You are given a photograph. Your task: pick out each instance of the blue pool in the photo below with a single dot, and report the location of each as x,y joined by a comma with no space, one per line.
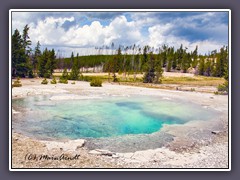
106,117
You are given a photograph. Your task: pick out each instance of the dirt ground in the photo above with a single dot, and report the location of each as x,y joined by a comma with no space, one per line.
196,145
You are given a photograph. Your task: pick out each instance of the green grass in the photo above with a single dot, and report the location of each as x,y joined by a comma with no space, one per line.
120,79
195,80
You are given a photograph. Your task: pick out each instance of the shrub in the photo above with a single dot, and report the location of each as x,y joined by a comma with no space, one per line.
223,87
62,80
96,83
65,74
17,83
53,81
45,81
73,82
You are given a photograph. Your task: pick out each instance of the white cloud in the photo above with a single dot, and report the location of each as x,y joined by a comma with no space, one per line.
19,20
49,30
126,32
158,36
205,47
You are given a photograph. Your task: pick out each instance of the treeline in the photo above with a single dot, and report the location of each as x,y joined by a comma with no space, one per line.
84,61
139,60
214,64
27,62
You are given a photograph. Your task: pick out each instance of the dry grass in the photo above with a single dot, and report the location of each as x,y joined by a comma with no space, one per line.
194,81
168,78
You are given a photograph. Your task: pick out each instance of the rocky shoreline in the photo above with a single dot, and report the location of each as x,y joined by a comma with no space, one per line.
26,153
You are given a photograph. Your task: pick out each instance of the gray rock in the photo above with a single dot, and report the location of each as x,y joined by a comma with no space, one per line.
94,152
216,132
101,152
115,156
70,145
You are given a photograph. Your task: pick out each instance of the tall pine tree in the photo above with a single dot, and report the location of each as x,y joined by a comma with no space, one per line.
18,56
75,72
36,56
21,65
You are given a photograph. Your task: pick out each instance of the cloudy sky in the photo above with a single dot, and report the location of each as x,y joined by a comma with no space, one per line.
83,31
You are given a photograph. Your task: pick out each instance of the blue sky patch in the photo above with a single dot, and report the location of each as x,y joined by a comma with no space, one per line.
208,30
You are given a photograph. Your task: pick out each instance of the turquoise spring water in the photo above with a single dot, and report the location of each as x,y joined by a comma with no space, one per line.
107,117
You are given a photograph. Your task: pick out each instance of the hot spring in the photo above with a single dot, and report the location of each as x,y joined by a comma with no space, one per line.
117,118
